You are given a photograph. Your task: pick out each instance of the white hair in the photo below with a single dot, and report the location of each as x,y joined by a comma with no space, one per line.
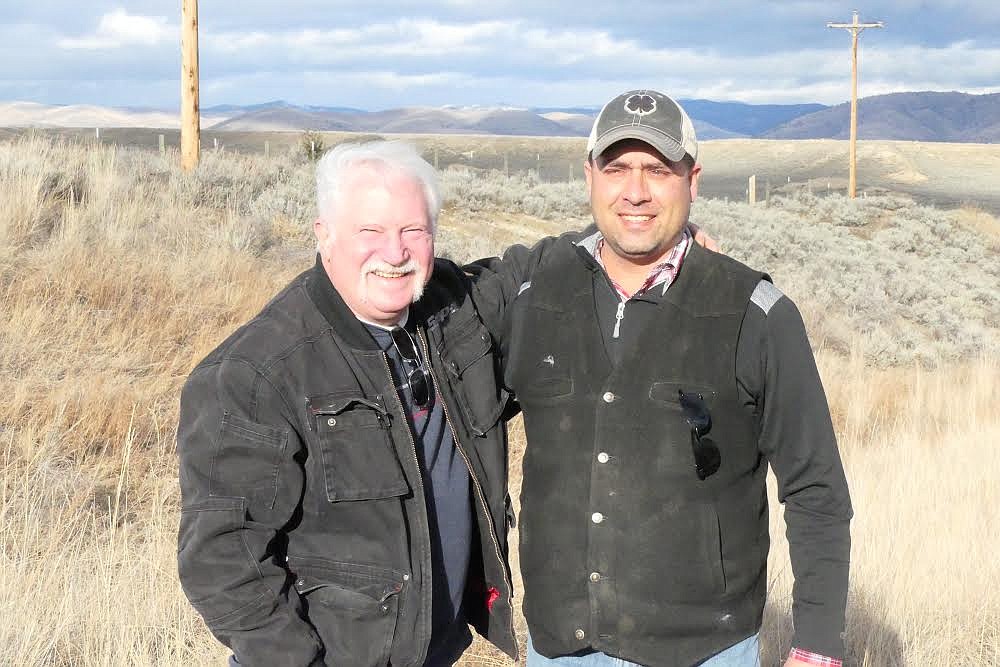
393,157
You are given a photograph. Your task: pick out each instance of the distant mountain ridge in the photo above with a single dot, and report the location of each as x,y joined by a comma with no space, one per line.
926,116
721,120
746,119
32,114
222,109
918,116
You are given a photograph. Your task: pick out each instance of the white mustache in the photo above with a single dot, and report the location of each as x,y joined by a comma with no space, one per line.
373,265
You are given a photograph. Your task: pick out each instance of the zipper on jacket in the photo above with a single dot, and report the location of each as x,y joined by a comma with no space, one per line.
619,316
476,485
416,464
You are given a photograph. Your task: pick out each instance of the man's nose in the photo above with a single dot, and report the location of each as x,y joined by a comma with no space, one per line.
394,249
636,188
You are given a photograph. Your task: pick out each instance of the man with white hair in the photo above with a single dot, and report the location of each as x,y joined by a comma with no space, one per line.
342,459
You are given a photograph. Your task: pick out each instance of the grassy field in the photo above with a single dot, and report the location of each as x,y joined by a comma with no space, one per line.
117,273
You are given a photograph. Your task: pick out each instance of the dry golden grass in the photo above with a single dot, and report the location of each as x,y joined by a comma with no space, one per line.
981,222
113,284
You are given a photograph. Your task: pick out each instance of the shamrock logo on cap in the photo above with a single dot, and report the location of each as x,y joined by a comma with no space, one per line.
640,104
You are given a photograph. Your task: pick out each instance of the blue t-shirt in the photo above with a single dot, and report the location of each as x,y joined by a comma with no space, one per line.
449,507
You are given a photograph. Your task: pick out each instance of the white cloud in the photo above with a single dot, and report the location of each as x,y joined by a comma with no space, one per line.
937,69
456,52
118,29
419,59
403,38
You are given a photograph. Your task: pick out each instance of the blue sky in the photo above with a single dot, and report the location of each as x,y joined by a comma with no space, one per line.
379,54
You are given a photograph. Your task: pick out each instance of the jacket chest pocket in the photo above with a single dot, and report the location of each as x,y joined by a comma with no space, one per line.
359,461
542,358
667,395
668,424
468,358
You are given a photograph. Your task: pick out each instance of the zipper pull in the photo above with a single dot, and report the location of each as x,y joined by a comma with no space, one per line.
619,316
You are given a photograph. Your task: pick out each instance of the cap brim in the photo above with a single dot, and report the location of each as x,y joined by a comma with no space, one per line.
668,147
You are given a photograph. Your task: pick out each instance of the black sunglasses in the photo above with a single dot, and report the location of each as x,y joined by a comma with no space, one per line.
707,457
417,378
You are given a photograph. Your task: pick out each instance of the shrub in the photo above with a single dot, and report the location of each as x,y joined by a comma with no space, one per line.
313,145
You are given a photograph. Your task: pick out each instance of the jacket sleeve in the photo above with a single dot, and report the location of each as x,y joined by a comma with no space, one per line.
496,281
797,438
240,487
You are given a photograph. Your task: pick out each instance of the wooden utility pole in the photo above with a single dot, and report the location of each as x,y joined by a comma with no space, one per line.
190,113
855,28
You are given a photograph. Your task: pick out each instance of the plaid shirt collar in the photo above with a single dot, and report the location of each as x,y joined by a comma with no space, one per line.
663,273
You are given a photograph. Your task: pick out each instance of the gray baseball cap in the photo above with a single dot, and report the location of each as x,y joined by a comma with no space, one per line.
648,116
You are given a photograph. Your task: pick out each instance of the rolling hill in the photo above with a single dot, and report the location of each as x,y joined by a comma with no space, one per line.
748,120
920,116
925,116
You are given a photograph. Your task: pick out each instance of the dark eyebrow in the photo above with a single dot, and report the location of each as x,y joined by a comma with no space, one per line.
669,164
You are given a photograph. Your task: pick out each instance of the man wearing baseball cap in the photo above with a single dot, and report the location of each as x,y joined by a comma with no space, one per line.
658,380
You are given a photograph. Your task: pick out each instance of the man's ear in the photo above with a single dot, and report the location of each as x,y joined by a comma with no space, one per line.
695,173
321,231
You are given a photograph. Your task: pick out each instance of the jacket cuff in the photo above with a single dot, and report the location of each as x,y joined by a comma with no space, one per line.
811,658
818,640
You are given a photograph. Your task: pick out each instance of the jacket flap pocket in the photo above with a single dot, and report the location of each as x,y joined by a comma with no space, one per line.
335,403
472,373
353,610
376,583
461,354
547,387
359,460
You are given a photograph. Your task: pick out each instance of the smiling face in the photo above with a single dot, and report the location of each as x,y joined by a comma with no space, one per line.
378,249
640,200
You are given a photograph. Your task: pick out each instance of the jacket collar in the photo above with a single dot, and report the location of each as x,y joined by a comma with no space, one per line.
694,269
590,243
332,307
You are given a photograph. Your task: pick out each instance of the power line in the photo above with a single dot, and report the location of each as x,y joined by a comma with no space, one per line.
190,111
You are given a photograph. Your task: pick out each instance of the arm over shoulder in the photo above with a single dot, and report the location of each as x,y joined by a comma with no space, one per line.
497,281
